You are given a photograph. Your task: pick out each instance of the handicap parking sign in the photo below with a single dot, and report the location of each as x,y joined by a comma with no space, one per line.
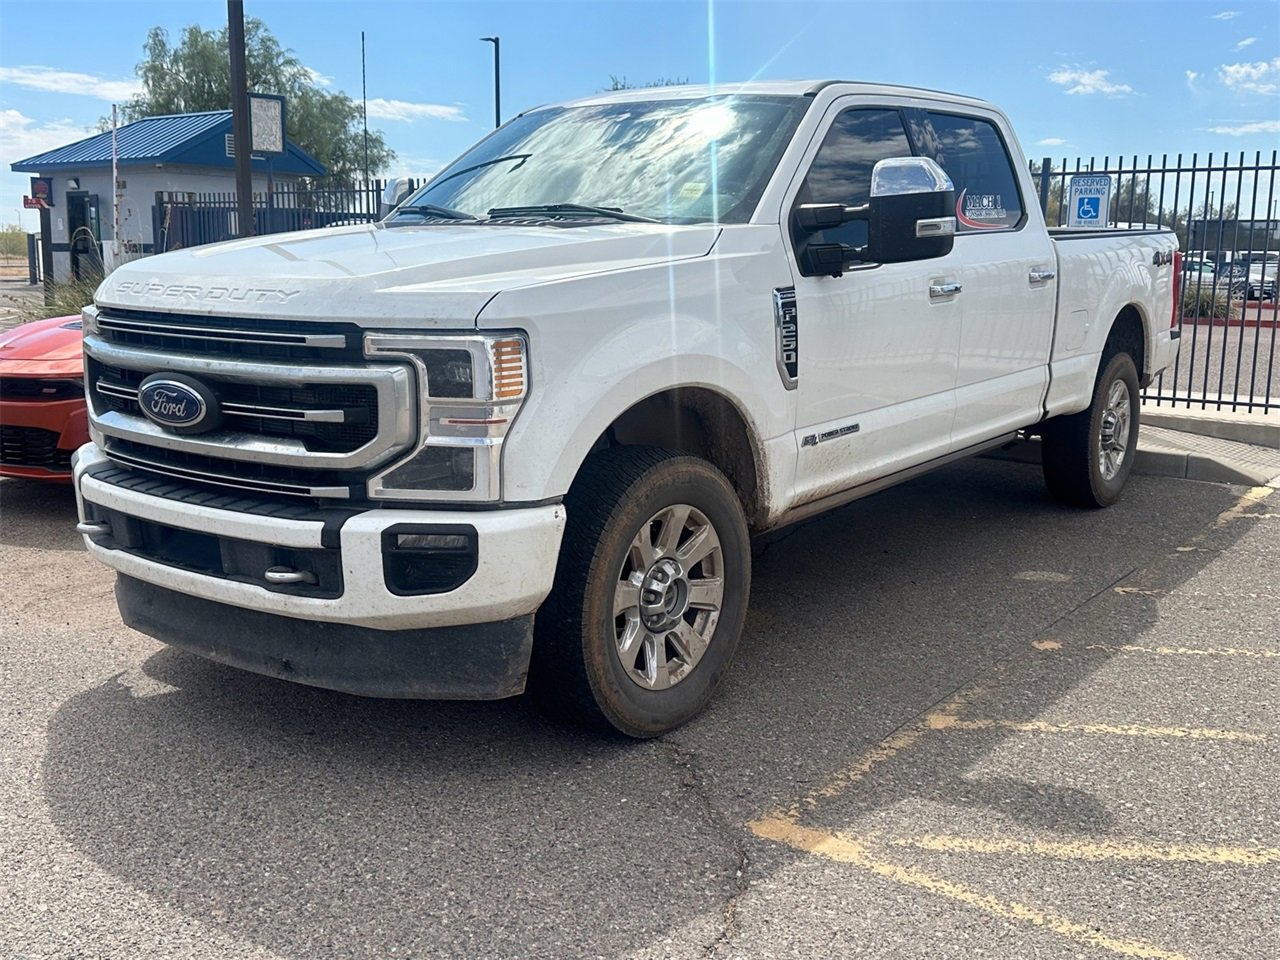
1086,208
1090,198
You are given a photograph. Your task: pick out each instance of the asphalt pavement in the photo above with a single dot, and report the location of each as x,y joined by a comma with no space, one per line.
964,721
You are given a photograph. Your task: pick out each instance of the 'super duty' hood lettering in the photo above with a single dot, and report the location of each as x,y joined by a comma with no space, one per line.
187,291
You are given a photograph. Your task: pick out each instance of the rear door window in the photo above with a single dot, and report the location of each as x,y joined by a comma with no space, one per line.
974,155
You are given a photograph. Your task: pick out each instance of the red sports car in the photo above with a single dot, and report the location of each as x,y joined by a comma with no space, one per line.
42,411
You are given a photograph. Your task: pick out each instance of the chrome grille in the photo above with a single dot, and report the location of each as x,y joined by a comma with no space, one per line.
258,477
304,413
244,338
330,417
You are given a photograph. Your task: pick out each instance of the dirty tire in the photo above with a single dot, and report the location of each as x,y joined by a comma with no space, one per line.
1075,469
595,638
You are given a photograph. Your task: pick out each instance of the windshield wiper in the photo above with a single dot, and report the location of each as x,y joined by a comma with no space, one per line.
569,209
522,157
433,210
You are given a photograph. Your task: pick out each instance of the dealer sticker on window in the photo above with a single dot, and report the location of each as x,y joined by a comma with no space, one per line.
981,211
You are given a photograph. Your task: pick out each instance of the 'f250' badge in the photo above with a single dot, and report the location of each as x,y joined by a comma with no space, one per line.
787,334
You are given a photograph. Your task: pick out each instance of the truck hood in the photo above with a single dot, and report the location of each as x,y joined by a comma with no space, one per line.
42,347
439,274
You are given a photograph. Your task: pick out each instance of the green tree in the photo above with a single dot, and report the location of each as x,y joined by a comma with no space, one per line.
194,76
622,83
13,241
1054,215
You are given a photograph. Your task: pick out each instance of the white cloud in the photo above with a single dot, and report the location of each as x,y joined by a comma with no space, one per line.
1089,81
1260,77
22,137
421,168
318,78
53,80
1226,15
1050,142
1246,42
381,109
1192,77
1247,129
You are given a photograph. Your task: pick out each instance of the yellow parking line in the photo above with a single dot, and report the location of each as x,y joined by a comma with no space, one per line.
843,850
1125,730
1186,651
1085,850
1249,498
887,748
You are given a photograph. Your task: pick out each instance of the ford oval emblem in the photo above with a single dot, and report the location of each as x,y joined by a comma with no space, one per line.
178,403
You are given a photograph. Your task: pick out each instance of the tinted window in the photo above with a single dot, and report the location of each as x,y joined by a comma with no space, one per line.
841,171
975,158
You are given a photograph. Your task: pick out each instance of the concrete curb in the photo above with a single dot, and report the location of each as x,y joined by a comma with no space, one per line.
1158,457
1258,429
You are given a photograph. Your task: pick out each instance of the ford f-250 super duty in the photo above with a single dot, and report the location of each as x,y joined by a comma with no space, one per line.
526,425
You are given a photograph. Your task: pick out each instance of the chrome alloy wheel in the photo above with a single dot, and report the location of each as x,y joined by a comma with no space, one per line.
668,597
1114,432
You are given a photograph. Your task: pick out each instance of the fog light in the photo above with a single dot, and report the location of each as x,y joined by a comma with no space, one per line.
432,541
419,559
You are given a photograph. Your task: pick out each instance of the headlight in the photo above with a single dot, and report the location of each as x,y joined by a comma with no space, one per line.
469,391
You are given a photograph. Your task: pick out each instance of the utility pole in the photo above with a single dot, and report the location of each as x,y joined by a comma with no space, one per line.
497,81
240,118
364,111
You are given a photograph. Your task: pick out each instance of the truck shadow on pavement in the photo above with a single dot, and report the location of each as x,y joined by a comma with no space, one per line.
316,824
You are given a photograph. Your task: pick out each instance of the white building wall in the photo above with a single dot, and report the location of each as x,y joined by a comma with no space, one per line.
136,200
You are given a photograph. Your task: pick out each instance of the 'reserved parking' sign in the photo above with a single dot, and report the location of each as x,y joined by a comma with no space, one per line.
1088,200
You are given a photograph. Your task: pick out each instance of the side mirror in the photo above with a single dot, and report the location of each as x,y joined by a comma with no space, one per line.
913,215
393,194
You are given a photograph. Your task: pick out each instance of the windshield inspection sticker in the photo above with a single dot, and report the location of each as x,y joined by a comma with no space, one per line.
692,190
981,211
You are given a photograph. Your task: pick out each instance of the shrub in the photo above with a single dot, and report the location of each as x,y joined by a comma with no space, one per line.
1202,300
63,299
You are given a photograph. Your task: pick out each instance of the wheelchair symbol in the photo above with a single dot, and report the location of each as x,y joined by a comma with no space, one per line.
1087,208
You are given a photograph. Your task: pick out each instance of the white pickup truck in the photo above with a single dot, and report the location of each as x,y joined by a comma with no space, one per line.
525,426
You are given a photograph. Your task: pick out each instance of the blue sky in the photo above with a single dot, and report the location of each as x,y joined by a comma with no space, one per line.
1081,78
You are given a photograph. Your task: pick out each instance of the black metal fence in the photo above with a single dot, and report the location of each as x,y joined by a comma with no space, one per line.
189,219
1223,210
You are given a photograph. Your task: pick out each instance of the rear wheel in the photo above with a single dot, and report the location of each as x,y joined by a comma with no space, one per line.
650,592
1088,456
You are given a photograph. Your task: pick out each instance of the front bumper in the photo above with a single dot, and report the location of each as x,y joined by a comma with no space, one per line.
483,661
518,549
319,632
40,436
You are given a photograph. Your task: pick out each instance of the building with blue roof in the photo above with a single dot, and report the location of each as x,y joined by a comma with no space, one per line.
190,153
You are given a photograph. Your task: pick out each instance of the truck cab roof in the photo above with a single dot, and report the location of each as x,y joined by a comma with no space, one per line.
775,88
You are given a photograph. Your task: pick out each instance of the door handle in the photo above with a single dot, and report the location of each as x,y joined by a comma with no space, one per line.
1041,276
939,290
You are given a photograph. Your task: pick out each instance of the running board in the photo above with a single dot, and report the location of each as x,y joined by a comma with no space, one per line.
806,510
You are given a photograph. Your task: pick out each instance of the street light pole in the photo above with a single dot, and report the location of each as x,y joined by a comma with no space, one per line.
497,81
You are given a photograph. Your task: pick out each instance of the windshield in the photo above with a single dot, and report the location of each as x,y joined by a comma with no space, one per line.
677,161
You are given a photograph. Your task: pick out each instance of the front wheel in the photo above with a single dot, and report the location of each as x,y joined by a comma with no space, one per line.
1088,456
650,592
